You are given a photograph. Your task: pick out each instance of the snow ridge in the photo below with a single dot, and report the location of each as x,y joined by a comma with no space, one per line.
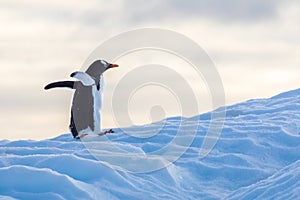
256,157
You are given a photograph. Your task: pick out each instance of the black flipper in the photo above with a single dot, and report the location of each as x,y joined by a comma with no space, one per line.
68,84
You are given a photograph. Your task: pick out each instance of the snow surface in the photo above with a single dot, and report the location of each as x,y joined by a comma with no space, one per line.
256,157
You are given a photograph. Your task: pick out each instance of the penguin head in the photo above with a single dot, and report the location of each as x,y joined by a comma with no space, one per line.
97,68
108,65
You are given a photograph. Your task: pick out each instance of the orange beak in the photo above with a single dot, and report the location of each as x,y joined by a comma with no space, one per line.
114,65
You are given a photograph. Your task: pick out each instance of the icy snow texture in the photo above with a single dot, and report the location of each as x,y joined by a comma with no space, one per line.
257,157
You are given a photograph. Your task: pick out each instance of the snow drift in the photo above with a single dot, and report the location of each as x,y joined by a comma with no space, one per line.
257,156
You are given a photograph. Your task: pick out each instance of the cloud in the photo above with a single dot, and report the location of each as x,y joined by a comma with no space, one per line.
226,11
96,14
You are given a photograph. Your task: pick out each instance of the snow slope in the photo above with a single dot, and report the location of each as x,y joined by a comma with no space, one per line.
256,157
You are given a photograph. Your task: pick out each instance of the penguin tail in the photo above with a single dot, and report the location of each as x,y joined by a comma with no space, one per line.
67,84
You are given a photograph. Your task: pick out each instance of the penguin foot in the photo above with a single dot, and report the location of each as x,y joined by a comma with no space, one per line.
106,132
81,136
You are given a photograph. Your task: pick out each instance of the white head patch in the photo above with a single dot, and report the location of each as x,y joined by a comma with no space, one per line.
104,63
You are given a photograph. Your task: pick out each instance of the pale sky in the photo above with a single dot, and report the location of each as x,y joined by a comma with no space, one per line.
255,46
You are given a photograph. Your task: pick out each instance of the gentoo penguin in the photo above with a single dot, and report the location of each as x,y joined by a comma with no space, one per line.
85,111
